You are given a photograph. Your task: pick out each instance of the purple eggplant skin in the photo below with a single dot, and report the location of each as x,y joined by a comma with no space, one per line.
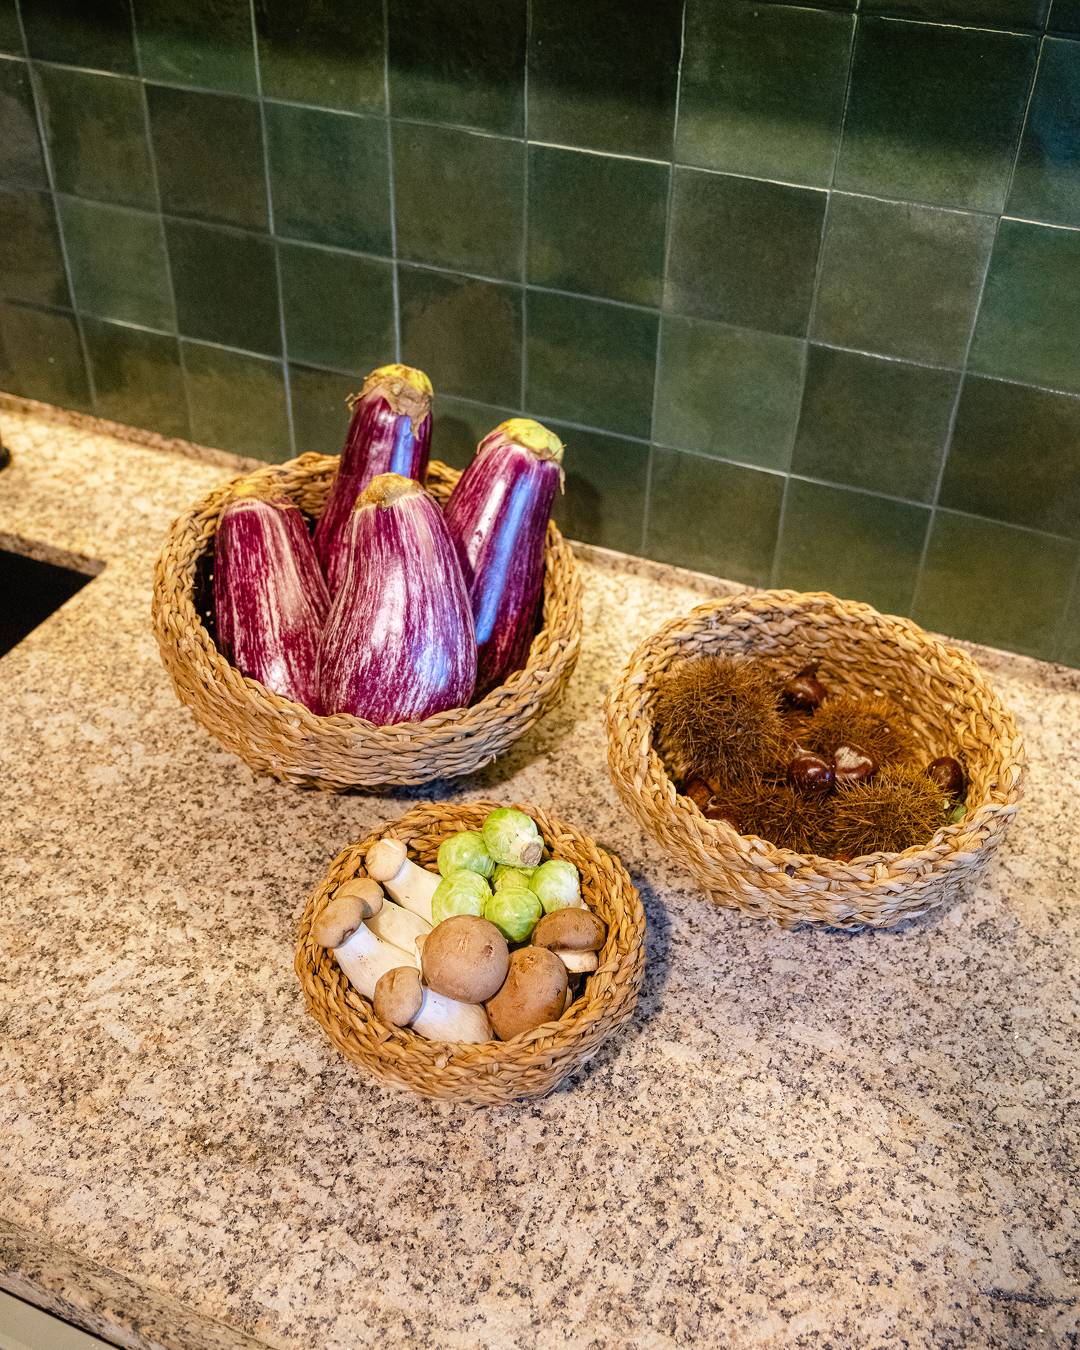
390,432
498,515
399,644
270,599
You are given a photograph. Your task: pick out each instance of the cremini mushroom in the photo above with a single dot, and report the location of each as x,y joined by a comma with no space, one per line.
574,935
361,955
531,995
402,1000
466,958
410,885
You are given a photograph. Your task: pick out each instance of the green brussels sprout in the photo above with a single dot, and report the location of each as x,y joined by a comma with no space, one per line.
515,912
557,884
512,876
462,892
512,837
465,850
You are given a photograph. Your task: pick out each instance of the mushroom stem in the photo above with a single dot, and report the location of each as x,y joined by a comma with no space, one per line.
410,885
579,963
396,924
448,1019
363,958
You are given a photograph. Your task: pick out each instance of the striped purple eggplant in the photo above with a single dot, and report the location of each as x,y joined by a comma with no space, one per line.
270,600
399,643
498,514
390,432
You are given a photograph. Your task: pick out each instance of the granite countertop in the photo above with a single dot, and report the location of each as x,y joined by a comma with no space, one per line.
802,1138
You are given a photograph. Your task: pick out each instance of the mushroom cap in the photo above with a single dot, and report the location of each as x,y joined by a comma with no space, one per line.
465,957
385,858
368,892
398,996
570,930
532,994
338,921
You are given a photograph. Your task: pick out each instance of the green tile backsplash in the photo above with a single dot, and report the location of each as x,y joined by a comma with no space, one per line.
795,282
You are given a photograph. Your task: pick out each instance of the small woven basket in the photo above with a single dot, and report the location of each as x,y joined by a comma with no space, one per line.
493,1072
950,707
276,736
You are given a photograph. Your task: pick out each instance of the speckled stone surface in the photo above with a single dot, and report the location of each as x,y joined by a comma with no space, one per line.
803,1138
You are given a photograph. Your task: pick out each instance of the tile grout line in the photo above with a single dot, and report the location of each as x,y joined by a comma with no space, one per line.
1071,593
50,176
391,185
646,505
144,103
920,572
285,377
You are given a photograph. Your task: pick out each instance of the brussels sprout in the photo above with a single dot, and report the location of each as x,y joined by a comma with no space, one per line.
515,912
465,850
512,837
557,884
462,892
505,875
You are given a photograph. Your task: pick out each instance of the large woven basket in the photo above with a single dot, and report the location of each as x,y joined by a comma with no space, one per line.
494,1072
950,706
275,736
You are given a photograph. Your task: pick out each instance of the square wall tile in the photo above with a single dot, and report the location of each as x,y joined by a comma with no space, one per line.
319,409
728,392
459,61
41,357
601,79
1046,185
31,261
874,424
203,42
1015,456
459,426
466,334
743,251
590,362
94,33
856,545
901,280
934,112
604,501
137,377
330,177
20,148
226,286
209,156
96,130
119,269
596,224
995,584
713,517
237,402
1068,651
459,199
10,32
1064,16
981,13
762,89
324,52
1029,322
339,309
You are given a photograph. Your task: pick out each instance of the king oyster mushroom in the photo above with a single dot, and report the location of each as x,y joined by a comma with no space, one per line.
361,955
574,935
391,922
413,886
532,994
402,1000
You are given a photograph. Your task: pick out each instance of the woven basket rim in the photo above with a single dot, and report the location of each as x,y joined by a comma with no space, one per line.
572,1035
866,868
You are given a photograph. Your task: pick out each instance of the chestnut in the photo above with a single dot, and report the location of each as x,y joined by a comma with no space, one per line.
946,773
804,691
853,764
698,791
718,811
810,773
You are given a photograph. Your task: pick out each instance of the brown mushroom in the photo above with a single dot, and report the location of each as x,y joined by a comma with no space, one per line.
465,957
353,902
532,994
570,930
398,996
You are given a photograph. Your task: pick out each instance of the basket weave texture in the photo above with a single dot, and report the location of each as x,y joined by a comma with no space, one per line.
493,1072
951,708
276,736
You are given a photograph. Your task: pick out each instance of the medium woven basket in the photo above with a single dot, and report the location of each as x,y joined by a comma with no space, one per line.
493,1072
951,708
275,736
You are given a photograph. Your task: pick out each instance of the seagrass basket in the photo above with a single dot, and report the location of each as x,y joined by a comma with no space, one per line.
950,706
276,736
494,1072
